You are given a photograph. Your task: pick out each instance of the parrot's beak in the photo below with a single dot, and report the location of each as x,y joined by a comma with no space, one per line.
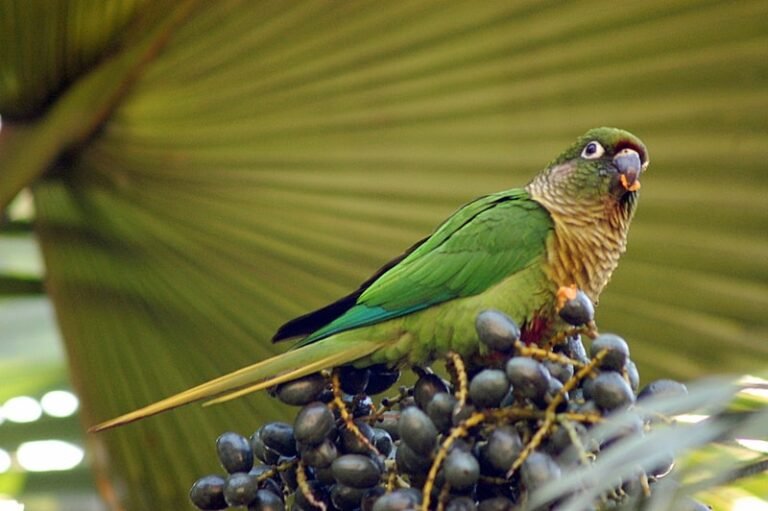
627,162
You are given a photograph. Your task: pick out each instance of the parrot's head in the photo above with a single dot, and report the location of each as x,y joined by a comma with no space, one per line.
604,164
597,175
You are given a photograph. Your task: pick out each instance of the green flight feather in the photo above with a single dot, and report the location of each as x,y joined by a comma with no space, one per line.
484,242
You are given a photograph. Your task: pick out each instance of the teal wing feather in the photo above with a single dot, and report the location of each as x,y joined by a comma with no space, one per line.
477,247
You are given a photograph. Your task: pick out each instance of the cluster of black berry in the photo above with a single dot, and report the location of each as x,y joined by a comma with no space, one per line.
505,424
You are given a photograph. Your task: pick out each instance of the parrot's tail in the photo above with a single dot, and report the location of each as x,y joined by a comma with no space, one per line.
324,354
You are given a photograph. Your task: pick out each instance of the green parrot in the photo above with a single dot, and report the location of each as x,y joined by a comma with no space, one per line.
513,251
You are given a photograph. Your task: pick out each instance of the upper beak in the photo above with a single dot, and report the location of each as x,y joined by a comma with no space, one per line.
627,162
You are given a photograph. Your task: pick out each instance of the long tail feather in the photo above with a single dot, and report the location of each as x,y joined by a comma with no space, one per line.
278,369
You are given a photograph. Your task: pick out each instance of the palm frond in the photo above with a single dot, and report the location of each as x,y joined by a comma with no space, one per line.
204,171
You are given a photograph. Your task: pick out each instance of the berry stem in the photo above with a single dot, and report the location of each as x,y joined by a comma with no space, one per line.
459,372
442,499
349,421
301,478
544,354
590,330
388,403
549,413
575,440
459,431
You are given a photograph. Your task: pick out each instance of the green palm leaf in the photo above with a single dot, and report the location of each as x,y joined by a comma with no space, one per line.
204,171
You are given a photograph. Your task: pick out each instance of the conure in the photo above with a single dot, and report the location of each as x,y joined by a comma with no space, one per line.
512,251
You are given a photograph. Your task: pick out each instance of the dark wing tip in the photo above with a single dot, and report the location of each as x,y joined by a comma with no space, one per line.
308,323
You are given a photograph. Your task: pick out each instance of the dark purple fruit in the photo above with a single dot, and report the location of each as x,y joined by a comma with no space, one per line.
346,498
497,330
266,454
324,475
353,380
266,500
356,471
560,440
462,413
208,493
561,372
529,378
633,375
611,391
665,388
503,447
288,476
488,388
555,388
440,410
618,351
351,443
426,387
381,378
279,437
539,469
301,391
573,348
370,496
389,423
588,407
318,491
403,499
578,310
461,470
240,489
320,455
411,462
382,441
417,430
313,424
235,452
272,483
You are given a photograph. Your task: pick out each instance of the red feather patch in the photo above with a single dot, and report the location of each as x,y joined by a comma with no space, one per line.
534,330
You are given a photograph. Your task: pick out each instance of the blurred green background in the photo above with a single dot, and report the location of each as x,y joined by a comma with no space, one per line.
196,173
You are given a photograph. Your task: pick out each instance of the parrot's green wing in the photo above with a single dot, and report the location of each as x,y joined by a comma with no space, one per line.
481,244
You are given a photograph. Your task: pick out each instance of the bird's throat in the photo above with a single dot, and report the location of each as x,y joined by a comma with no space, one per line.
587,242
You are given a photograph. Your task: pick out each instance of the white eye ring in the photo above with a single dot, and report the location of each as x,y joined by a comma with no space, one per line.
592,151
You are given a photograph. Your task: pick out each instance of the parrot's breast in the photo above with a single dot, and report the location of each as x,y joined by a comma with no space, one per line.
586,243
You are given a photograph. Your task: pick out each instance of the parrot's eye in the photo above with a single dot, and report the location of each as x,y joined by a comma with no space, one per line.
592,151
